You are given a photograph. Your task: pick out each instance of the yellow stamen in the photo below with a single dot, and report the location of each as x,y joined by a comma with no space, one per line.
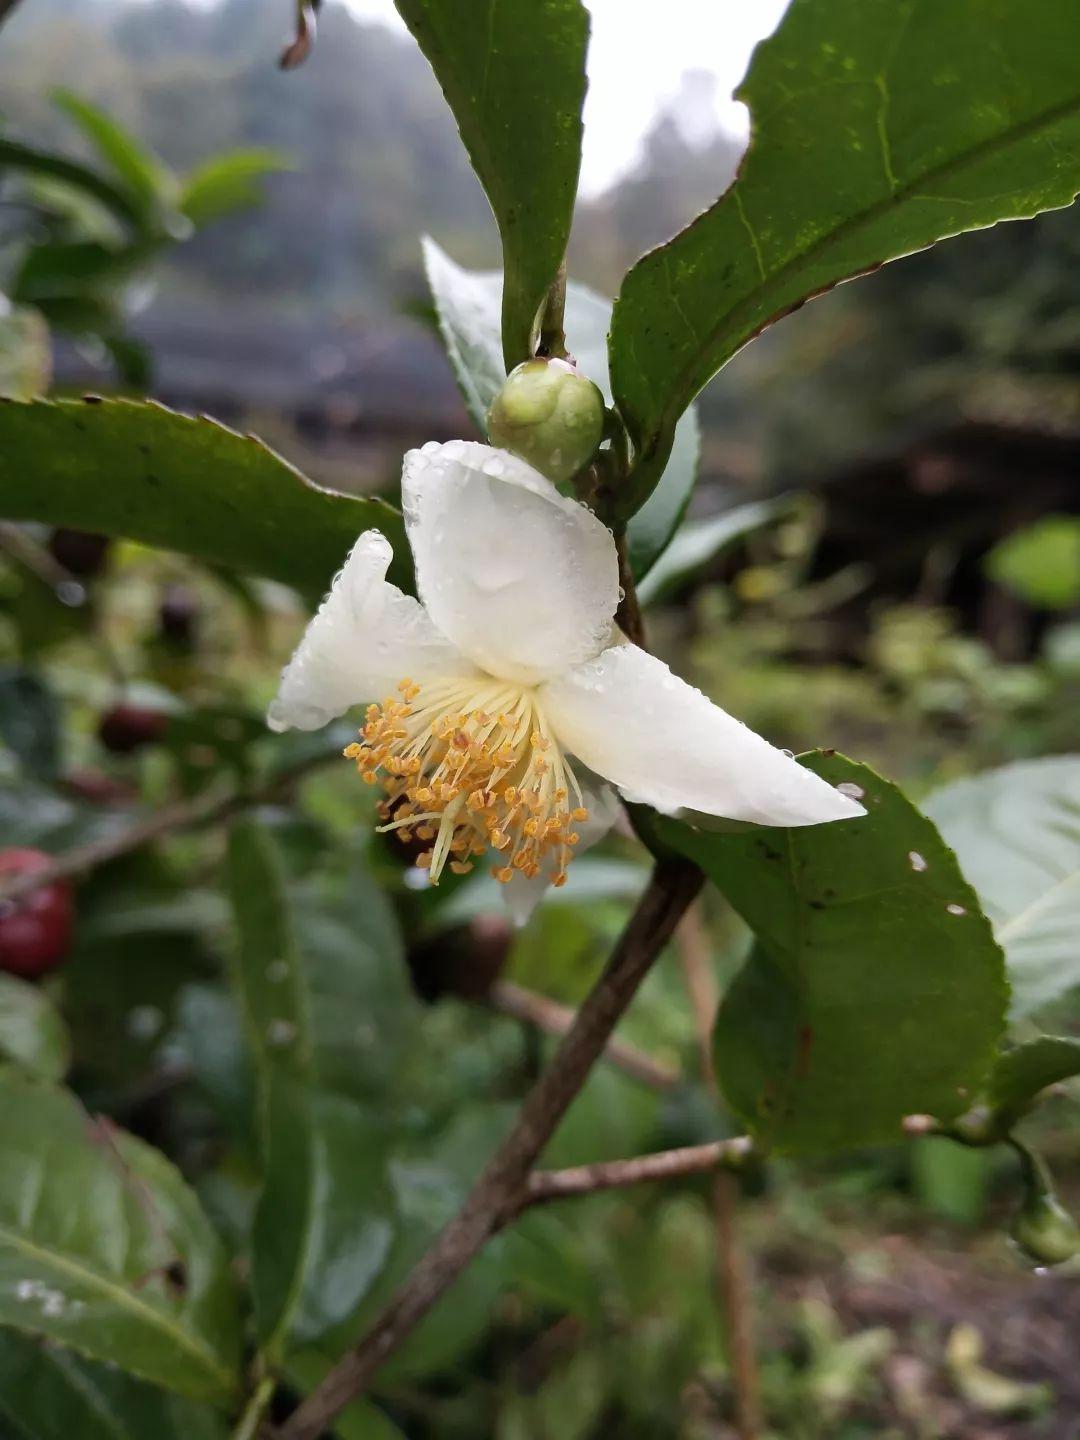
461,765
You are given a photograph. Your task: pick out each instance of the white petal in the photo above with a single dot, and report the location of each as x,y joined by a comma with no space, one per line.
365,638
663,743
522,895
524,581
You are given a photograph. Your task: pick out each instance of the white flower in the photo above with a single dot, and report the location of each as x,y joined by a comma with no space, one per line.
507,692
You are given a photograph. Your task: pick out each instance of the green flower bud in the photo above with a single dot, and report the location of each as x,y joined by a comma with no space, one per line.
551,415
1045,1230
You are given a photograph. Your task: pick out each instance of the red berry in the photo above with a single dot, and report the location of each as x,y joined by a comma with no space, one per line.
126,728
35,932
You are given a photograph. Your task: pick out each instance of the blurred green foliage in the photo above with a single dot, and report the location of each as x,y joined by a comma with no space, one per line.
599,1318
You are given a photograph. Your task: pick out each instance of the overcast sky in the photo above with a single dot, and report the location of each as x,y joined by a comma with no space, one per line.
639,50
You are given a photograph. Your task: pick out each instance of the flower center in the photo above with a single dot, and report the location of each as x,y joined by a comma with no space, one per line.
472,765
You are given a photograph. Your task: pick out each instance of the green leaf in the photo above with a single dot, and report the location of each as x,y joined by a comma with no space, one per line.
83,270
364,1421
25,352
363,1012
875,989
28,160
142,472
878,127
35,815
1040,563
47,1393
467,303
696,542
428,1195
226,183
141,937
321,1233
29,721
144,177
950,1179
1016,833
104,1249
1022,1072
32,1033
513,73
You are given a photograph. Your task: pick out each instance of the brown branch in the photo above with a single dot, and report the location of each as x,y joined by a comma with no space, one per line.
555,1019
502,1189
303,42
628,616
546,1185
211,807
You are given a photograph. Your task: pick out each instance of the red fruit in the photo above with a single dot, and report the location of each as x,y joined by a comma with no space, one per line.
35,932
126,728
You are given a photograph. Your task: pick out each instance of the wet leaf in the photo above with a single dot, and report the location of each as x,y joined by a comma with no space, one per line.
322,1226
513,73
142,472
48,1393
878,127
104,1248
875,989
32,1034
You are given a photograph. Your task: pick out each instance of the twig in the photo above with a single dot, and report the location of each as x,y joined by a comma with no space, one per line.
731,1277
628,616
502,1188
303,42
6,7
545,1185
555,1019
208,808
250,1424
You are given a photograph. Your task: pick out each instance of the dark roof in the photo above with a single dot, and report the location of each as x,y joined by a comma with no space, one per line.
379,375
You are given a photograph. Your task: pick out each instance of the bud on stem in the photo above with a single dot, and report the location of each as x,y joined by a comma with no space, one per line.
1044,1230
549,414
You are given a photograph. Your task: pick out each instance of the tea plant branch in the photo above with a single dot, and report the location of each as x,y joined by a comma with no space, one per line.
300,47
554,1019
209,808
502,1188
547,1185
628,616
